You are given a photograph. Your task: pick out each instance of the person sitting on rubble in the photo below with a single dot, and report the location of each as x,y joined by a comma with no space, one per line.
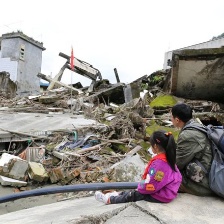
161,179
191,145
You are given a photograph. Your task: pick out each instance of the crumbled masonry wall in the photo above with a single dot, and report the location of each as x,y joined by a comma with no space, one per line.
7,86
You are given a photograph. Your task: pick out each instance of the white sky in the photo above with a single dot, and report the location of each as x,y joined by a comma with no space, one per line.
130,35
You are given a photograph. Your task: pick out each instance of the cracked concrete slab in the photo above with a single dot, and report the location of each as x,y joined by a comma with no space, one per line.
39,124
184,209
132,214
72,211
187,208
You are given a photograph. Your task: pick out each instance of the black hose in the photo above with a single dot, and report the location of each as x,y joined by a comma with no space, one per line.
69,188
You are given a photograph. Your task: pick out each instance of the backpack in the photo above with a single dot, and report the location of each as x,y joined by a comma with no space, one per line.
216,173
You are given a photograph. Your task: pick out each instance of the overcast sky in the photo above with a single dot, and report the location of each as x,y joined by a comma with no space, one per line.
130,35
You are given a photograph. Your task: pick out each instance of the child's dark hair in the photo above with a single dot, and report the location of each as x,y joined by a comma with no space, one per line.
165,142
182,111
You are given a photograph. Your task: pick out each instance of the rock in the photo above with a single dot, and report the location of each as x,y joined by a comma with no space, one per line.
128,170
37,172
18,169
13,167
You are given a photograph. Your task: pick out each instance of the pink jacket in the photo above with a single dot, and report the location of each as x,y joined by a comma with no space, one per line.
162,183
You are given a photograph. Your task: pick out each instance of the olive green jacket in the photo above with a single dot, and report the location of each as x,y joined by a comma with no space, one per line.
193,144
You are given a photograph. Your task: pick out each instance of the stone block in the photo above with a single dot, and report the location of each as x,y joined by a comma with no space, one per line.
127,170
37,172
6,157
13,166
18,169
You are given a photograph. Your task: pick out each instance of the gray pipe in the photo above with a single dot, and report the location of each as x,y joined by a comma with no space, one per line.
69,188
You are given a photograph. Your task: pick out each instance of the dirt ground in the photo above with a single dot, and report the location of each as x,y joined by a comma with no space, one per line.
30,202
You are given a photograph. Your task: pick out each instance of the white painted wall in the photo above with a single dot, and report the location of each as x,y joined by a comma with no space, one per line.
6,65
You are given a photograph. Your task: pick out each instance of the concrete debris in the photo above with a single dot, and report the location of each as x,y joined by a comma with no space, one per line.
63,175
128,170
37,172
5,158
6,181
92,134
69,134
17,169
13,167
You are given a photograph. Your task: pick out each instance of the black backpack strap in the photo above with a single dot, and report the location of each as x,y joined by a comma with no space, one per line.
202,167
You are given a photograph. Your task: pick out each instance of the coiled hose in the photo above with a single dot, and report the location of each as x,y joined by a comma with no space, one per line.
69,188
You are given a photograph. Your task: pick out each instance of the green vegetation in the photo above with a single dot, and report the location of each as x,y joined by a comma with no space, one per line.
163,101
155,78
156,127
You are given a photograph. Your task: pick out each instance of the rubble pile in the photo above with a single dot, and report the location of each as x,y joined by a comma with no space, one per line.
116,150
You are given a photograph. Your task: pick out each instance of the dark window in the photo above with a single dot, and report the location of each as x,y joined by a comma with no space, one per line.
22,52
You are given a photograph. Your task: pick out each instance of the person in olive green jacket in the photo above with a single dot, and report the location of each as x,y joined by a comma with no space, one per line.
193,149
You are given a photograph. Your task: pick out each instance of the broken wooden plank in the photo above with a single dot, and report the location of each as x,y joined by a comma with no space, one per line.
57,77
95,147
133,151
49,79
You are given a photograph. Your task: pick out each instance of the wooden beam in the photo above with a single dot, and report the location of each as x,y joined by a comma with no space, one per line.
49,79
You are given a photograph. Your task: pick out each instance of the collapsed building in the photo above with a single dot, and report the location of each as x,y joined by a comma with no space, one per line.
77,137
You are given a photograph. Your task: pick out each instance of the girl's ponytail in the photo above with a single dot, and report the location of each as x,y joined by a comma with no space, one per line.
165,142
171,152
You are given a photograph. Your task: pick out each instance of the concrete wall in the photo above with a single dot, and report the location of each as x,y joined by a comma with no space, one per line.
198,78
209,44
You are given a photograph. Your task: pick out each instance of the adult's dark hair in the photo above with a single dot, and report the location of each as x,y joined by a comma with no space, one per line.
182,111
165,142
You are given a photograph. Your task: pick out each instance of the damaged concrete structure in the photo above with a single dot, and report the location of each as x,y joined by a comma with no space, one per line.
214,43
198,74
21,59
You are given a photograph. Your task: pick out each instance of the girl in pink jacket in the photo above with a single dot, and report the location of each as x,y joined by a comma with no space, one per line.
161,178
